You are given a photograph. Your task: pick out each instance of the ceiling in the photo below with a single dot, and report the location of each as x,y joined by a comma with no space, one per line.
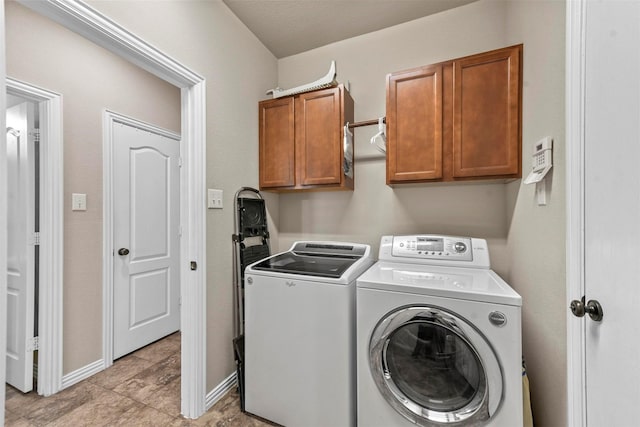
288,27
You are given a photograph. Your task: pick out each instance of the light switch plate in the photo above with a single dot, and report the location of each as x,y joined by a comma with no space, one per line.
78,202
214,198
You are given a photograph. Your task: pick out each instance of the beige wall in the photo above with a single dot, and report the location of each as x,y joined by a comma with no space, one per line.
90,79
536,239
209,39
526,241
373,208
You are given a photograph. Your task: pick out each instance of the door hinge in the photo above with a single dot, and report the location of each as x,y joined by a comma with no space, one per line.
180,231
179,162
36,239
33,344
35,133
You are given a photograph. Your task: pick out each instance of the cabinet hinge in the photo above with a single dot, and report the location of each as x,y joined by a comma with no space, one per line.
36,239
179,162
180,231
33,344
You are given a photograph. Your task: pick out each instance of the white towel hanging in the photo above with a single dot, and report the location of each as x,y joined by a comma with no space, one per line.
347,164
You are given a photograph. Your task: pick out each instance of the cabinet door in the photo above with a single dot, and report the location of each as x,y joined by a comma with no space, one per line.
277,139
414,125
486,116
319,137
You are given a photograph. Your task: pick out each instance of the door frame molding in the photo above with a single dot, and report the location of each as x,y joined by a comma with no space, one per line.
51,232
79,17
110,118
3,213
575,140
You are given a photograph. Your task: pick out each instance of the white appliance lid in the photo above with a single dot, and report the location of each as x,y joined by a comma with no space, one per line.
328,262
473,284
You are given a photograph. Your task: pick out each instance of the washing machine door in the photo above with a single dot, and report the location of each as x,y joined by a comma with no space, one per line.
435,368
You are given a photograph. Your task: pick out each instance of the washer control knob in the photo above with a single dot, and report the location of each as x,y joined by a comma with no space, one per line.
459,247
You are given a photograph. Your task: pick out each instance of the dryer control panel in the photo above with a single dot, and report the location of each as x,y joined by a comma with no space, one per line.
432,247
435,250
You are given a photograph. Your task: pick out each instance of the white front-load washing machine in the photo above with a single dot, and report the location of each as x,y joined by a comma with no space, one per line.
438,337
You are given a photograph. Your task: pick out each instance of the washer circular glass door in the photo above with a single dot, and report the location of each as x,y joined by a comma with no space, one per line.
434,367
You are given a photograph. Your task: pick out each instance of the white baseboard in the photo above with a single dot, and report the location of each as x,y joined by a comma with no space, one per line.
220,390
82,373
93,368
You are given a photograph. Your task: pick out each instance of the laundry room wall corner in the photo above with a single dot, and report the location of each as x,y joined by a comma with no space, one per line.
536,236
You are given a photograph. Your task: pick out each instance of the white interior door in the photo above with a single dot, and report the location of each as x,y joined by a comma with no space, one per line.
20,245
146,185
612,216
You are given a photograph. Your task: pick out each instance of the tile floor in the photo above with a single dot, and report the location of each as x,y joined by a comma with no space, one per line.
140,389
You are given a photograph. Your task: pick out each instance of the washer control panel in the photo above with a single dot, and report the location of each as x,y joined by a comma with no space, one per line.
432,247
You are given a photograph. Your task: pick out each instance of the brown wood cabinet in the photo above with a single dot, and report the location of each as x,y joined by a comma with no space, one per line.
456,120
301,141
414,124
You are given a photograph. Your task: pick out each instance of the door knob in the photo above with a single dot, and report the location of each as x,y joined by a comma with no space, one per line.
577,308
593,309
123,251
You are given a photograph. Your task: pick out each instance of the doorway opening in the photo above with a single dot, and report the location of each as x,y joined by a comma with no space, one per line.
40,310
141,220
81,18
23,227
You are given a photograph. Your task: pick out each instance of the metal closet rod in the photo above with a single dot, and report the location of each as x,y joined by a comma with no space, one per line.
366,123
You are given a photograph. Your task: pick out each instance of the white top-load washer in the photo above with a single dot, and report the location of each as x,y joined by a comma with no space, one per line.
439,337
300,334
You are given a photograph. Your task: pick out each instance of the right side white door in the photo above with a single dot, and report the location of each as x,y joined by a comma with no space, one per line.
612,212
146,185
20,246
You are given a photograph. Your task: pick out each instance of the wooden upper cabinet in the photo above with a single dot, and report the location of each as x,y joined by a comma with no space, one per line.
414,125
301,145
456,120
319,137
486,116
277,142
